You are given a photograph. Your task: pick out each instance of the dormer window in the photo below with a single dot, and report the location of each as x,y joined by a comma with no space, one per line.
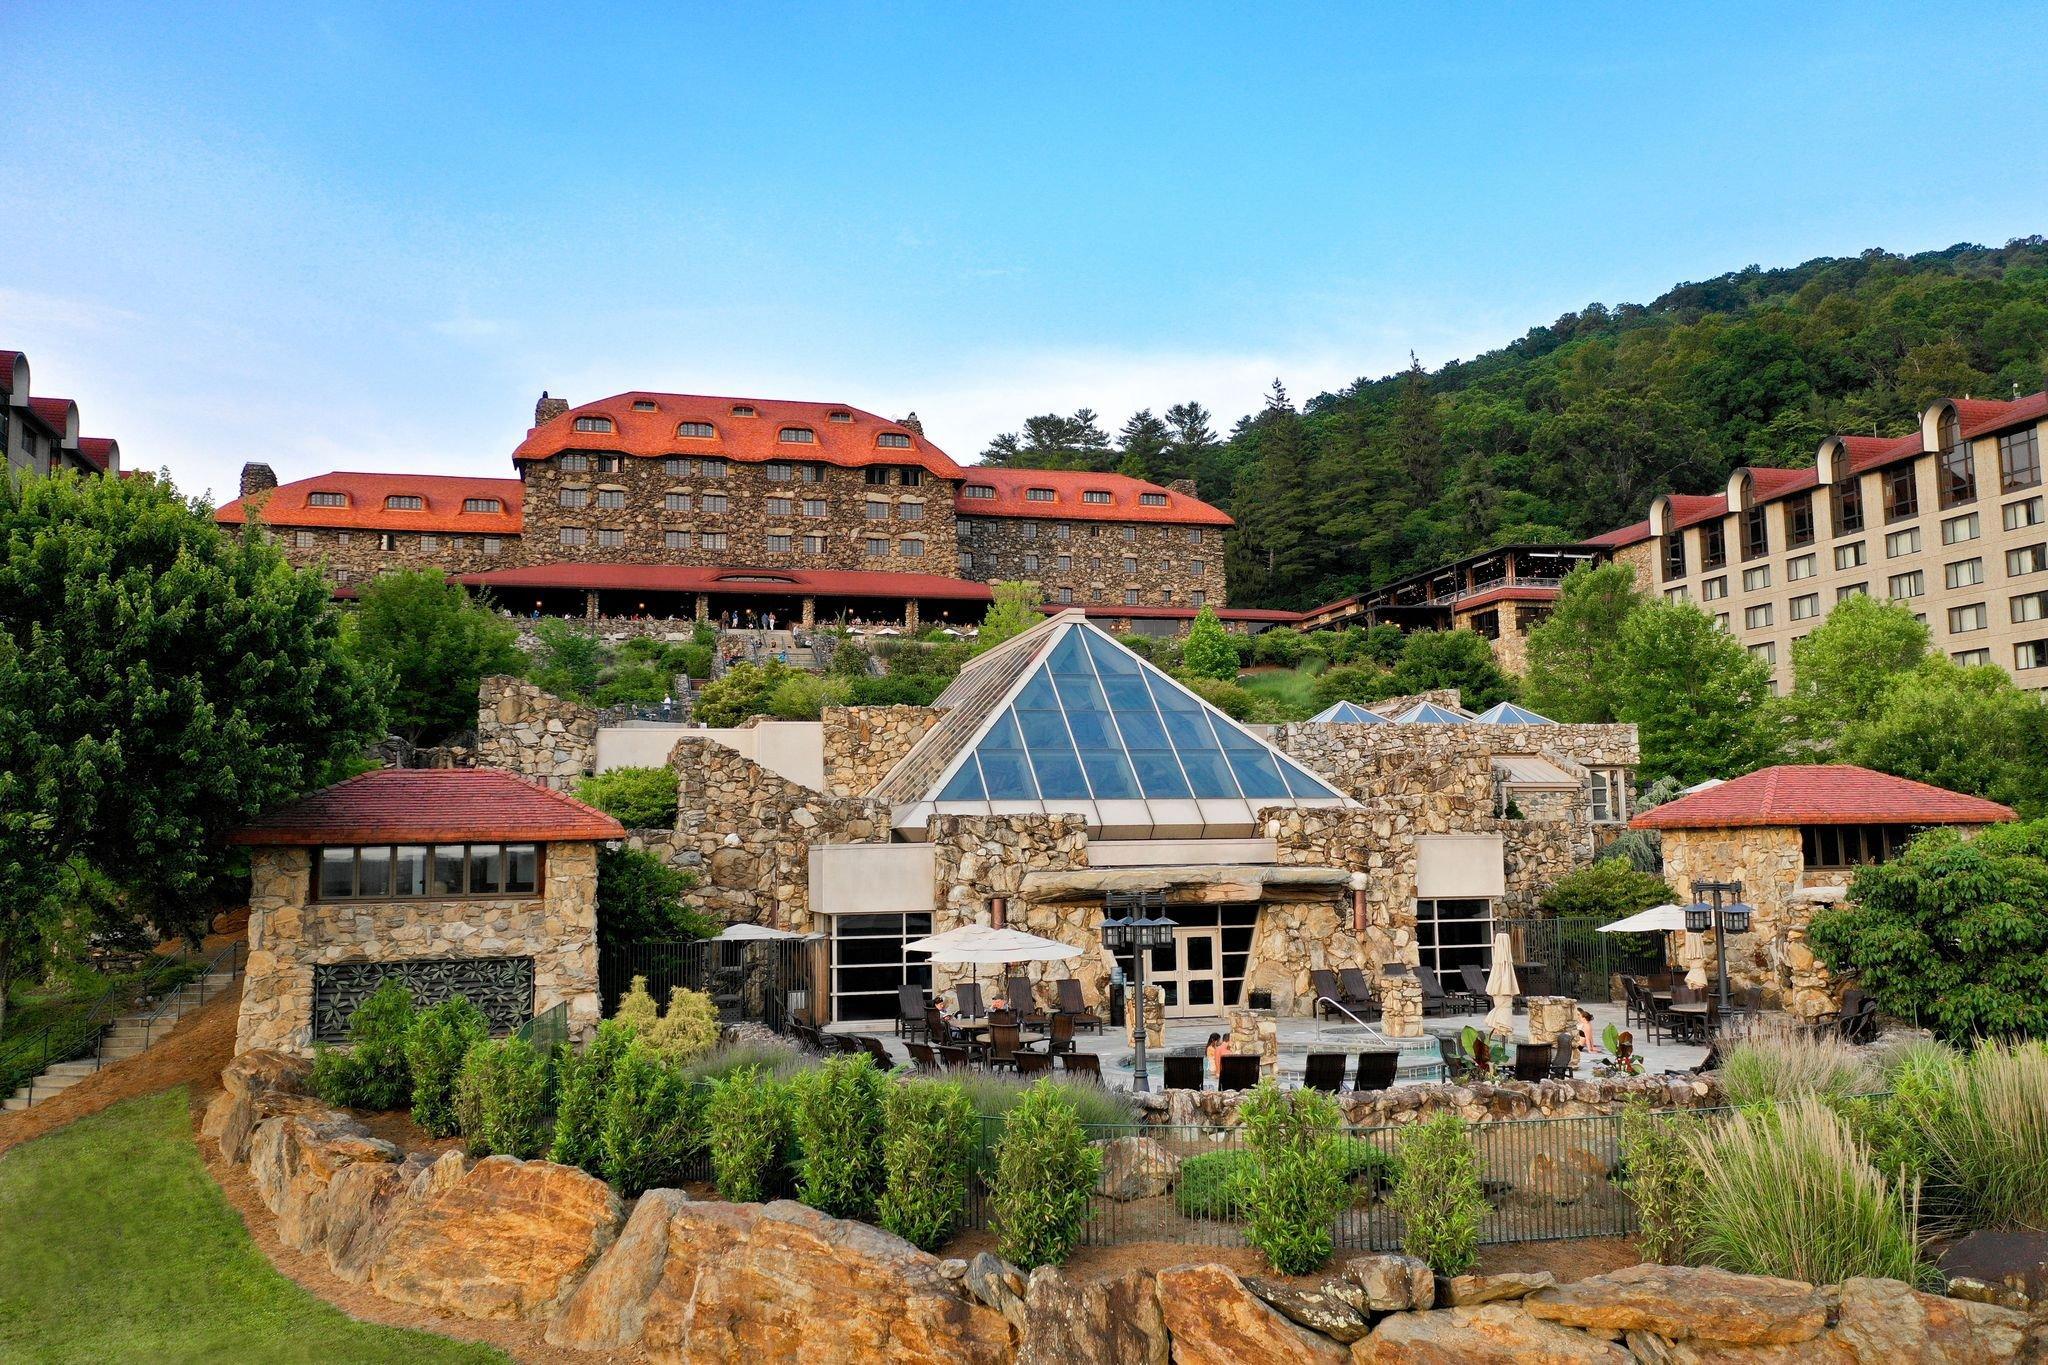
643,405
1038,495
893,440
326,499
1152,499
490,505
798,436
839,417
743,410
979,490
597,424
696,430
405,502
1094,495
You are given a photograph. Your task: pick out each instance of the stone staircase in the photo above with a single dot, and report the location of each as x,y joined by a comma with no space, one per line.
129,1035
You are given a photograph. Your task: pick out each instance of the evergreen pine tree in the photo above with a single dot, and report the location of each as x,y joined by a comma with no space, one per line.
1144,441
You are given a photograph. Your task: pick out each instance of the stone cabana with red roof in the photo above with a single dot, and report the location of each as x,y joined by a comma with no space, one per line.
469,882
1794,835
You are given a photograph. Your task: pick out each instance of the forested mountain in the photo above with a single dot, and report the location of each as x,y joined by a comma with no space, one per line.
1572,429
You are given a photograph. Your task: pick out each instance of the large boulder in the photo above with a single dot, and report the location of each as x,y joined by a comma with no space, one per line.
784,1282
1103,1322
1884,1320
1136,1168
509,1239
362,1207
1392,1282
1215,1320
1338,1309
1686,1302
231,1120
262,1071
1490,1334
998,1284
292,1159
1469,1291
609,1309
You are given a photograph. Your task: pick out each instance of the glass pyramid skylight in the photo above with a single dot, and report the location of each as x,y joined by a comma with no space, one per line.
1090,728
1348,713
1507,713
1429,713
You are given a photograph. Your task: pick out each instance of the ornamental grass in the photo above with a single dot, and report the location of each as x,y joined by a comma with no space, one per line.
1766,1070
1991,1136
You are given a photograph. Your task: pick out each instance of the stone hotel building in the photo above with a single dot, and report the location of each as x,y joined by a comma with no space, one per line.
683,505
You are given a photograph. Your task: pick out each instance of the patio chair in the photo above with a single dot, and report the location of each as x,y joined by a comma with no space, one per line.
1004,1016
968,995
1474,978
1182,1073
922,1056
1324,1071
1032,1063
1452,1054
1635,1006
1564,1057
1082,1064
937,1029
1532,1061
1377,1069
877,1049
1329,995
1060,1034
1003,1043
1074,1007
1238,1073
1358,993
1859,1025
1434,1001
910,1021
954,1057
1025,1003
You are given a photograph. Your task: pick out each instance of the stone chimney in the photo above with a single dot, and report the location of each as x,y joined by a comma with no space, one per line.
257,478
910,420
548,408
1185,486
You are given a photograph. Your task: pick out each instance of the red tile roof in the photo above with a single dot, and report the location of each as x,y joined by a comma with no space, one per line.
1067,504
1821,794
58,414
9,362
1507,592
758,439
1625,535
415,805
97,450
729,579
442,494
1109,611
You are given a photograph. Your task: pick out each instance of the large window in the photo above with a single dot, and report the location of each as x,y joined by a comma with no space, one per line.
1848,501
1901,493
1957,469
1452,933
869,963
411,871
1852,845
1756,532
1607,789
1674,556
2019,460
1799,520
1713,546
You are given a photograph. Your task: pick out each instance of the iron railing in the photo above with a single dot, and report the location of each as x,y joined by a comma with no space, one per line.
228,960
761,981
1574,958
77,1034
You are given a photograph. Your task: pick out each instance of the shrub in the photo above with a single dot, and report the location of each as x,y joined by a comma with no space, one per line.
1105,1112
746,1119
930,1135
638,798
1788,1192
504,1099
1230,699
637,1013
897,689
1045,1177
1282,647
1610,889
1437,1195
373,1074
777,1059
441,1037
838,1123
1764,1070
1208,651
1661,1177
585,1082
652,1123
1208,1184
640,900
689,1029
1361,683
1297,1180
804,696
694,660
1989,1134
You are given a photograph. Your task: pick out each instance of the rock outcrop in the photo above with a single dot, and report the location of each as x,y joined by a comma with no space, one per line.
1104,1322
1491,1334
1687,1303
1215,1320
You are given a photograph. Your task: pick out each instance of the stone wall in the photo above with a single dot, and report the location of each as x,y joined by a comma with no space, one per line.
1098,562
289,936
976,857
1475,1102
354,557
1774,953
1369,761
863,742
527,730
751,832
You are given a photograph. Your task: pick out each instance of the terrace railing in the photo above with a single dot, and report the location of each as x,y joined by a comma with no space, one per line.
749,980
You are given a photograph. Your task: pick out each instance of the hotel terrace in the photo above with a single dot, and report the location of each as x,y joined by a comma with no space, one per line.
686,506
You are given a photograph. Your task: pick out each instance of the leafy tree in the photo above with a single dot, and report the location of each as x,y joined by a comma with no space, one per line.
430,642
804,696
745,690
1360,683
1194,444
569,660
1841,672
1044,1179
1698,699
1968,729
1609,888
1209,652
161,682
1452,658
640,900
1014,611
1953,932
1050,441
1573,667
638,798
1295,1184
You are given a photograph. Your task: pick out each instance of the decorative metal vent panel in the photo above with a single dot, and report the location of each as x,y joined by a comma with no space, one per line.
502,987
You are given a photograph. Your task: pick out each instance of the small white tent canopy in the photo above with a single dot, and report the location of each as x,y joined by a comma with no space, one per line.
1666,919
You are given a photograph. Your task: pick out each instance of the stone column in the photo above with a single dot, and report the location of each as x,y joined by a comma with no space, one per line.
703,606
1550,1015
590,603
1155,1020
1401,1006
910,614
810,616
1254,1033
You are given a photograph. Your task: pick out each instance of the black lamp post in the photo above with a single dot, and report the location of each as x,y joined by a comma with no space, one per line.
1711,913
1132,931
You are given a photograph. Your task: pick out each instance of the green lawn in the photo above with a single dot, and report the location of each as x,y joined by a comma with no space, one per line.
116,1245
1293,690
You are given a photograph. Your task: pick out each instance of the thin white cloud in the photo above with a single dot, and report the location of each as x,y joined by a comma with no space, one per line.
60,313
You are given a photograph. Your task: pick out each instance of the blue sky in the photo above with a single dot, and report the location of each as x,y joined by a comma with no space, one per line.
367,236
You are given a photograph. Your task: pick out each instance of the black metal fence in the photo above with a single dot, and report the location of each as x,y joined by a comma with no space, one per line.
1572,957
763,981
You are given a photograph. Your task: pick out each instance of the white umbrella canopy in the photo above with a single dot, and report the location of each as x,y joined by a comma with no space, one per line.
981,945
1502,986
754,933
1667,919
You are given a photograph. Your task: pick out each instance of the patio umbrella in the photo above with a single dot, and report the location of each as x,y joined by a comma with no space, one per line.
1692,955
1665,919
980,945
753,933
1502,986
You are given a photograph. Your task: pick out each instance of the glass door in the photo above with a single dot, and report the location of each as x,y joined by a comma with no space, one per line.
1190,973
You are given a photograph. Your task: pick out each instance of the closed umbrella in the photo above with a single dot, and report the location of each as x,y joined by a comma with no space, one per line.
1502,986
1692,955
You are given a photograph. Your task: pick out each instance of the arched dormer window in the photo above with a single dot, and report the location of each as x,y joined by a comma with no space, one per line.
601,425
893,440
405,502
696,430
1957,462
798,436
